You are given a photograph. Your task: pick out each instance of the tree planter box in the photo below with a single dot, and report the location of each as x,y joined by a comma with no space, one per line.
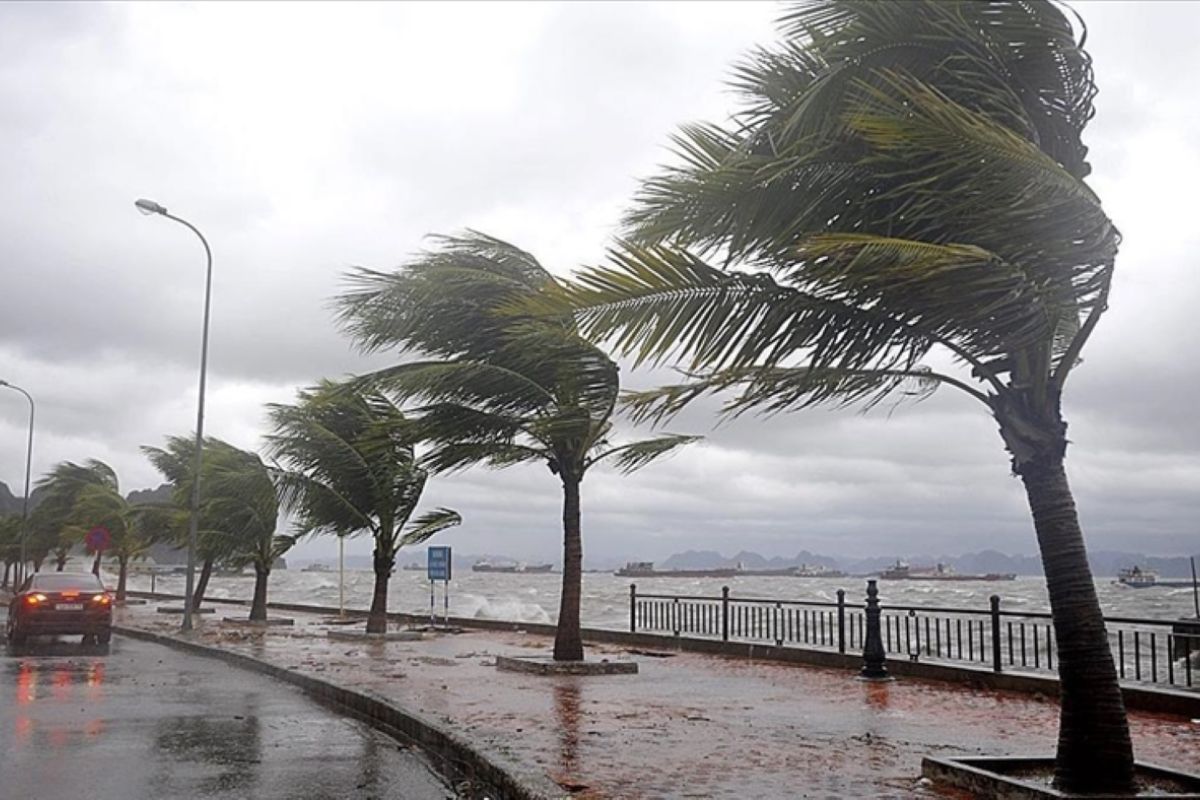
258,623
1026,778
363,636
545,665
174,610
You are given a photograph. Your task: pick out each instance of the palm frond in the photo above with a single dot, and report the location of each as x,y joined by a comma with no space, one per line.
635,455
425,526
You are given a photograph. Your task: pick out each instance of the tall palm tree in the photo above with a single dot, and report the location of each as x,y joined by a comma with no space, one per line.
240,504
80,497
215,543
500,388
905,180
348,466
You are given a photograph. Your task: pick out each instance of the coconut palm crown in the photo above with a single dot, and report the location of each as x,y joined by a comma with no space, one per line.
494,387
899,206
348,465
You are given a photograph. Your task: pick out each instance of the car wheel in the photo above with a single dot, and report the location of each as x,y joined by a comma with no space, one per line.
104,636
16,636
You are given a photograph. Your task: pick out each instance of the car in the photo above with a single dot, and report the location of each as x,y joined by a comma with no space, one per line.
51,603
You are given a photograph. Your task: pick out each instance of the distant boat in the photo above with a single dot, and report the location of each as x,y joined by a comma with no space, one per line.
645,569
317,567
1137,578
487,566
901,571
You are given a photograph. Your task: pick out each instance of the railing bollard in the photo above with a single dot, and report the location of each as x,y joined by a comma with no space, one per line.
995,601
841,596
874,658
633,608
725,613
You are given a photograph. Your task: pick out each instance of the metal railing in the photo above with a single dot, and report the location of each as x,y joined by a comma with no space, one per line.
1155,651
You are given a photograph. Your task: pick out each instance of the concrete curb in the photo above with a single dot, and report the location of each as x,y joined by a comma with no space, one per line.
504,779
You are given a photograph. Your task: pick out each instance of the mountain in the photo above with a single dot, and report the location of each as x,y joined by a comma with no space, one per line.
157,497
11,503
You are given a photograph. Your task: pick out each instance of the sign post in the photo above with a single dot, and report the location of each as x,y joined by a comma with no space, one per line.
437,566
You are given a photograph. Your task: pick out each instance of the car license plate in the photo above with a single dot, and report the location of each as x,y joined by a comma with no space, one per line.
69,607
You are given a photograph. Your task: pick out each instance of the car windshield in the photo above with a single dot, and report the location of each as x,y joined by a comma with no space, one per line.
60,582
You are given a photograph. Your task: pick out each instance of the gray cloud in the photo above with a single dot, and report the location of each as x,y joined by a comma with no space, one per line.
303,139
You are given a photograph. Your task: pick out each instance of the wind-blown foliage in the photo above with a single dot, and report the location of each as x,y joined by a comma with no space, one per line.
495,386
905,180
349,466
10,545
216,542
79,498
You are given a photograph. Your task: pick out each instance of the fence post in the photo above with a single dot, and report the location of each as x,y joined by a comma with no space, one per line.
633,608
841,596
873,667
995,601
724,613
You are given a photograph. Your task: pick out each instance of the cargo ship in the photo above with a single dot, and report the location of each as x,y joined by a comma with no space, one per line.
940,572
487,566
645,569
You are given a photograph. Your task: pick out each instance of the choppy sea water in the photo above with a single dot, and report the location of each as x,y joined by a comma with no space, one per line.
605,602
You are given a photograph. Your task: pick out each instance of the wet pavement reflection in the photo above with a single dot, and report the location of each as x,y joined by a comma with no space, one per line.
135,720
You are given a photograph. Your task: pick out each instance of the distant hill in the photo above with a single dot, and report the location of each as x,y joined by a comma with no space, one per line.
11,503
158,497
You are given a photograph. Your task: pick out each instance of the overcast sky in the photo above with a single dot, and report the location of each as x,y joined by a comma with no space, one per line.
307,138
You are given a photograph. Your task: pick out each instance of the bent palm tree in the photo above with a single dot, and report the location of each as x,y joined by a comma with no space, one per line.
214,542
81,497
240,501
502,389
905,180
349,466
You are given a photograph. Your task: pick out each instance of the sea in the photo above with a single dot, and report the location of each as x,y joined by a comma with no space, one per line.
519,597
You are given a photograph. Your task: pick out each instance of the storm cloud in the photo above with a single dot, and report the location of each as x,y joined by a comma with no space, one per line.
307,138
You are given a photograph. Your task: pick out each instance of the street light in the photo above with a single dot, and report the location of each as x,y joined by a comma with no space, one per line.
150,207
28,463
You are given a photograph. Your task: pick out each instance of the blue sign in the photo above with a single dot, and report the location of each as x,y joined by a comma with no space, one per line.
438,563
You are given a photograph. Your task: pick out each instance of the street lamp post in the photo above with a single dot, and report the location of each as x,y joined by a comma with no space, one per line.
28,464
150,207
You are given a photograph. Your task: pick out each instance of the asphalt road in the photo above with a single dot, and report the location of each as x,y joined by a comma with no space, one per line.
137,720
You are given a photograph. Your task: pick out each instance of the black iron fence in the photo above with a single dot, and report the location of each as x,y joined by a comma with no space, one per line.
1165,652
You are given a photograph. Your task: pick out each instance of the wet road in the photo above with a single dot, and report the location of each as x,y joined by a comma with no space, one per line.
143,721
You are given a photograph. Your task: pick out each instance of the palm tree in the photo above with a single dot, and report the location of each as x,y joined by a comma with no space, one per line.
500,388
10,544
240,499
906,180
348,466
214,542
82,497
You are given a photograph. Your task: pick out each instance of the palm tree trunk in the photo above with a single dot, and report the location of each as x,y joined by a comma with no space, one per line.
568,643
1095,752
202,585
377,618
122,574
258,608
7,568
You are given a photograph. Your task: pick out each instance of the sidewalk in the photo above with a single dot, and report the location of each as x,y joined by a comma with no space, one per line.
689,725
